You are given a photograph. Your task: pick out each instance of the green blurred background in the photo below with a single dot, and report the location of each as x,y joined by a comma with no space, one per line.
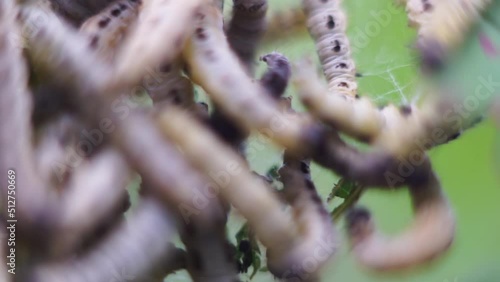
468,167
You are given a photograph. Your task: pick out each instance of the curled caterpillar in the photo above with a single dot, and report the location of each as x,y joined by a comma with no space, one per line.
106,30
327,23
449,23
310,214
213,66
246,29
430,235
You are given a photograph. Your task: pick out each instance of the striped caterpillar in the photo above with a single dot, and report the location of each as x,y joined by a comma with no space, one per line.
107,30
212,65
327,23
431,233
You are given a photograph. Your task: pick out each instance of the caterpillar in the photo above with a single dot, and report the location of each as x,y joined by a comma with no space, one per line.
446,29
327,23
107,171
156,38
430,235
396,130
57,44
146,234
106,30
310,214
15,105
246,28
212,65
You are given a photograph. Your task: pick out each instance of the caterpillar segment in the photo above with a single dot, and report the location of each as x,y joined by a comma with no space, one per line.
107,30
429,236
326,22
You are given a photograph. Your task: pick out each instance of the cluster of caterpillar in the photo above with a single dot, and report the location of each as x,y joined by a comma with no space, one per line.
188,157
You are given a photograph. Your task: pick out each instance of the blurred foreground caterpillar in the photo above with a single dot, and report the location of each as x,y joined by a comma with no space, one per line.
431,233
446,28
327,23
107,29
